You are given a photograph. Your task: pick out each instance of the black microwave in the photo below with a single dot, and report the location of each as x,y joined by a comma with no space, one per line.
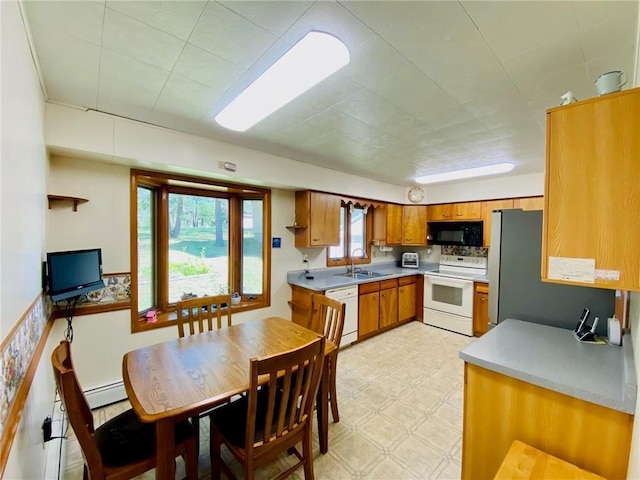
467,234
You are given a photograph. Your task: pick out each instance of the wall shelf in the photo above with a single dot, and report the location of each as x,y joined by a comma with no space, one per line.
62,198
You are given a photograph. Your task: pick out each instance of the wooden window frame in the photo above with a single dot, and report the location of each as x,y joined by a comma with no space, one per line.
346,260
161,185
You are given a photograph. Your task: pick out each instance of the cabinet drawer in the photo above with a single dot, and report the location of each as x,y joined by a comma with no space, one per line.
391,283
407,280
370,287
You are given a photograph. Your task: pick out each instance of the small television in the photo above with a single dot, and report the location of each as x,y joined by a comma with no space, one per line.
74,273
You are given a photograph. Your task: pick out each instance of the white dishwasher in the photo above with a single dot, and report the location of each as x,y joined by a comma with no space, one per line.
348,296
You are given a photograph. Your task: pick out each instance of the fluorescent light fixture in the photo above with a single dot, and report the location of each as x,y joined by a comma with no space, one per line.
307,63
468,173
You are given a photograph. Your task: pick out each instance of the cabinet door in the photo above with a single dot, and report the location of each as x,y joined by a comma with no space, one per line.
324,223
414,225
368,312
529,203
488,209
388,307
441,213
467,211
480,310
394,224
406,302
592,192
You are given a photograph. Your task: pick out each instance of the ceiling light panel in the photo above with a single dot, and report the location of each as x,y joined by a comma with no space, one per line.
307,63
466,173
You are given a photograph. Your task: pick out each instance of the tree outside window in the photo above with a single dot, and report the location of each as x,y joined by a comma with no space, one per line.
194,238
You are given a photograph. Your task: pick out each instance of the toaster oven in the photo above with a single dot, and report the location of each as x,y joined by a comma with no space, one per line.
410,260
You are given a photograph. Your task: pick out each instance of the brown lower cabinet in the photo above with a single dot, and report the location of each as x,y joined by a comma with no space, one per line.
386,304
480,309
381,305
499,409
377,306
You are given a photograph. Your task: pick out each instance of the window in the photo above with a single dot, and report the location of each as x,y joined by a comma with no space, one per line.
195,237
355,229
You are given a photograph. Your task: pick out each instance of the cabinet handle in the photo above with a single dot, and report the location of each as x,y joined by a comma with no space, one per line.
483,299
458,214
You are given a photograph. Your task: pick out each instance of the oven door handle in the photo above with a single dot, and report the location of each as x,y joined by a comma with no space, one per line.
447,282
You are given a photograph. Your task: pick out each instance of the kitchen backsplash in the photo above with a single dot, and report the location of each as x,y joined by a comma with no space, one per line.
465,251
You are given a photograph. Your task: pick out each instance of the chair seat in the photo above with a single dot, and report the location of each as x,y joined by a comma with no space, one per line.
231,419
126,439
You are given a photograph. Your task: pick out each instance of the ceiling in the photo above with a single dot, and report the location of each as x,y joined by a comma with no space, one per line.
432,86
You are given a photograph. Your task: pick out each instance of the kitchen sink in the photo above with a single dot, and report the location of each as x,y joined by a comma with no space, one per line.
362,274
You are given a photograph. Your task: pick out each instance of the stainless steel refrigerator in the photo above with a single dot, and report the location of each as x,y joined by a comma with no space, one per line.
515,288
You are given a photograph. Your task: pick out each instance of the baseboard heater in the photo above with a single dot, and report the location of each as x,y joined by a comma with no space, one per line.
105,394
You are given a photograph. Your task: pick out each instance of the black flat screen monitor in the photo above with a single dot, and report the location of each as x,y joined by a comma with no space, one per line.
74,273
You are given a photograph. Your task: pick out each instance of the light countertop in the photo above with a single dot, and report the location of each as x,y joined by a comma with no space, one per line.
552,358
329,278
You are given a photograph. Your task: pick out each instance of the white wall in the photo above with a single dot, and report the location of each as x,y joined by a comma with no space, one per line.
101,340
23,170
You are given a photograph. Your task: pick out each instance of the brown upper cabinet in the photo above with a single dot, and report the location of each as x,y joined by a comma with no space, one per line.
387,224
445,212
529,203
592,192
414,225
488,208
317,219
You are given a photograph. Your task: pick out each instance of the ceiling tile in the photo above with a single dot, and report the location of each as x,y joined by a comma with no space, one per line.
372,61
174,18
221,32
123,69
78,68
135,39
448,40
609,39
596,14
135,105
380,14
207,68
184,91
329,17
565,52
276,17
399,89
79,19
512,28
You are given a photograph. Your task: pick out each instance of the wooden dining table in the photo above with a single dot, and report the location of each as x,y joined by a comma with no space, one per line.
174,380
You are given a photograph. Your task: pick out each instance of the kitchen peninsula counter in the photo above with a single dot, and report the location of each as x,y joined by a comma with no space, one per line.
552,358
537,384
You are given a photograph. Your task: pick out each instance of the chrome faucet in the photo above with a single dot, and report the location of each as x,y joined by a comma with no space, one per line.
364,255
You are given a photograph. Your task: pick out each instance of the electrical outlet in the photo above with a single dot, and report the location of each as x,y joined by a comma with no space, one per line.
305,257
46,429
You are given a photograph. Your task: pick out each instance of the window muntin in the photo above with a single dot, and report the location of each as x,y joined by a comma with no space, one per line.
196,236
355,229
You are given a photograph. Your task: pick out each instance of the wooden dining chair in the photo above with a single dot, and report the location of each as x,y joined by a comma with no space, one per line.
124,446
327,318
274,416
202,314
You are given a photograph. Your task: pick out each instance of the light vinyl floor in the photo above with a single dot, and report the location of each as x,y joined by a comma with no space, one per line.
400,403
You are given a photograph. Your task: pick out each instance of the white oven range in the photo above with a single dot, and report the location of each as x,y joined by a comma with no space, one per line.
448,293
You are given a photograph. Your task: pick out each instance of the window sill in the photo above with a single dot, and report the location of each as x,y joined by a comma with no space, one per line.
167,319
